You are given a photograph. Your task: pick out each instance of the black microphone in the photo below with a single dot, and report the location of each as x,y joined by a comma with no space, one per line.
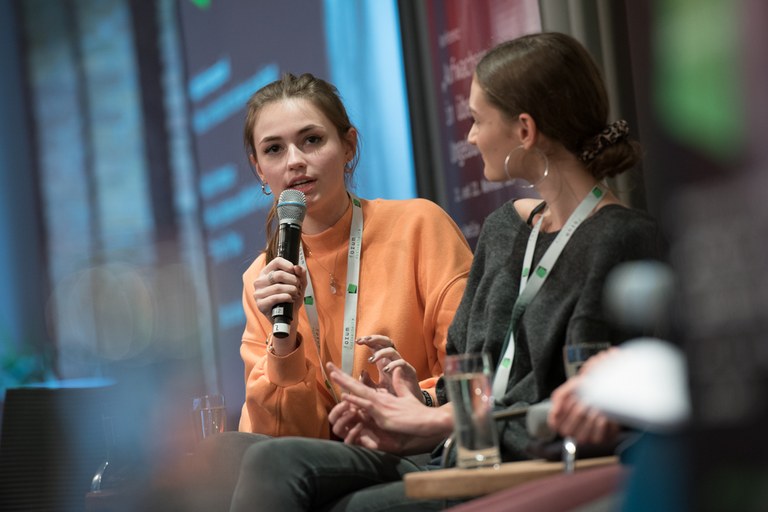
291,208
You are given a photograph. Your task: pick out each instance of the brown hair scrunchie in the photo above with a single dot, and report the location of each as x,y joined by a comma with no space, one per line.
613,132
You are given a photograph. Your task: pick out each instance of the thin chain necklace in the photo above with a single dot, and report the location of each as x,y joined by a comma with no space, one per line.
333,284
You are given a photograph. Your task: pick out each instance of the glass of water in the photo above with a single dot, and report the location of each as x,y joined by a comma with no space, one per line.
468,382
574,357
576,354
209,415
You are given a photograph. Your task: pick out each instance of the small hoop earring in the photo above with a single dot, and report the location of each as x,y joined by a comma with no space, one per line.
255,172
527,185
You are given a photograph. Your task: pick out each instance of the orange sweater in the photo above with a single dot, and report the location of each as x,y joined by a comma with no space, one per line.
413,270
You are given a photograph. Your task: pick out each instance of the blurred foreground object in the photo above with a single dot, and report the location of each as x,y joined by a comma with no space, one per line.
644,385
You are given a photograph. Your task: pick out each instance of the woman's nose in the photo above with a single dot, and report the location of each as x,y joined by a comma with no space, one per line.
471,135
295,157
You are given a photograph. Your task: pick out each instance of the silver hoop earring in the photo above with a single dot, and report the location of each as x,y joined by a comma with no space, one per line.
264,189
527,185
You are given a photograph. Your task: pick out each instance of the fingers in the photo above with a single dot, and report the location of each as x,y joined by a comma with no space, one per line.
389,353
563,400
349,424
338,411
302,275
360,403
367,442
353,434
359,435
403,365
375,342
280,271
404,380
595,428
345,421
366,379
570,417
280,281
346,382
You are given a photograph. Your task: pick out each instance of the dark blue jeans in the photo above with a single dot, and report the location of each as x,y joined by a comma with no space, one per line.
300,474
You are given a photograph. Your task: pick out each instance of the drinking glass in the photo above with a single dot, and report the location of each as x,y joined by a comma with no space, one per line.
574,357
468,382
209,415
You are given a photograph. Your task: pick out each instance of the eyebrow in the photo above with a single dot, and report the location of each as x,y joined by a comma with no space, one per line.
308,128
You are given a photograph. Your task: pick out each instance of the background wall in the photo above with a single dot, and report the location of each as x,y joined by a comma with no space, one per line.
24,353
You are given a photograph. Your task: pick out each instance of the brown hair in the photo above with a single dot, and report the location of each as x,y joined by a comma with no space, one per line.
552,77
322,95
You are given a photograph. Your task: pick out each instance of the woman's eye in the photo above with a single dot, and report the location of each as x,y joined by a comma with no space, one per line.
274,148
314,139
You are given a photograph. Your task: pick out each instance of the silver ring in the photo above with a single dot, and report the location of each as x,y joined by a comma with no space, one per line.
271,277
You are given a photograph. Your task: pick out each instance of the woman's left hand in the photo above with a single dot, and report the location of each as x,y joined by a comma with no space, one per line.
569,416
387,359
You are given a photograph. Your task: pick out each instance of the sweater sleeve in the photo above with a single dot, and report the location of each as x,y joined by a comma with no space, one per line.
279,391
444,259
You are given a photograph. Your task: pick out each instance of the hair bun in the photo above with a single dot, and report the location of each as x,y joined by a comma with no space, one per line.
612,133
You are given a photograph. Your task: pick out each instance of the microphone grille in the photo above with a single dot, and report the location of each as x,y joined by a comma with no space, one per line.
292,206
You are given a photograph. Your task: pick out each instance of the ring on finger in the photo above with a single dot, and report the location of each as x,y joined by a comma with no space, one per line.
271,277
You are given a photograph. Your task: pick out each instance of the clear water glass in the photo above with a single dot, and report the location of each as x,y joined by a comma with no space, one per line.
468,382
574,357
209,415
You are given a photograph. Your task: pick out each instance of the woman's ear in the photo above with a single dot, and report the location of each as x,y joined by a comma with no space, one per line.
255,165
350,139
527,130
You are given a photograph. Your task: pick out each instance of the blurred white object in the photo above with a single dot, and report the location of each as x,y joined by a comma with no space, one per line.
643,385
638,295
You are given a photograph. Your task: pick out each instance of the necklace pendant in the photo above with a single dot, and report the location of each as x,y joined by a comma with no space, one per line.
332,283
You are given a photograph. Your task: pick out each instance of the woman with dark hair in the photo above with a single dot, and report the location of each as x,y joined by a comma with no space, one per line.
540,116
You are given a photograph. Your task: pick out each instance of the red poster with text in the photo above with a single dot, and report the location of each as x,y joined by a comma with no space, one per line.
460,32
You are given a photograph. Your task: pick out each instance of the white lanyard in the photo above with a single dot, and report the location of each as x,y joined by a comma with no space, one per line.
531,282
350,299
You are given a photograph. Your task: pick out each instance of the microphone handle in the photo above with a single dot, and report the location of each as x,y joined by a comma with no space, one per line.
288,242
536,421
